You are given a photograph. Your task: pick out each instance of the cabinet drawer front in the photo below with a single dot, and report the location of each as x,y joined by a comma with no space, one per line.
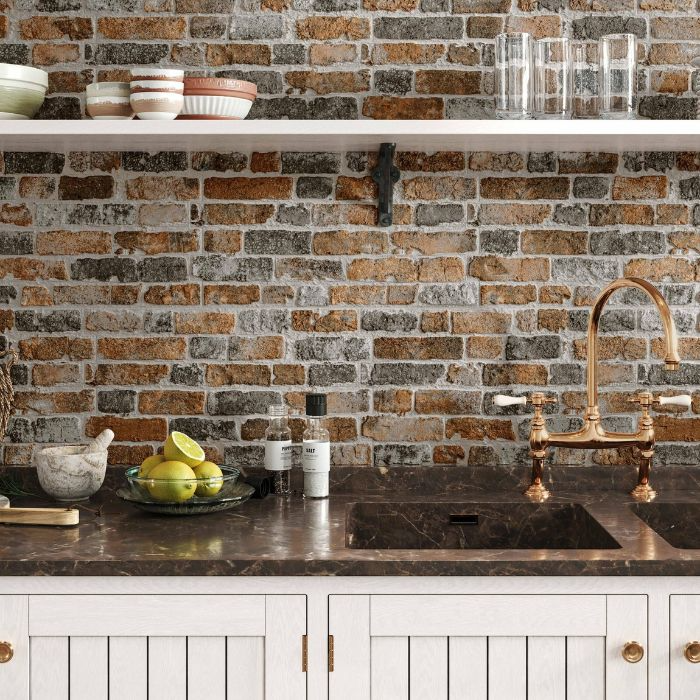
488,615
685,628
152,615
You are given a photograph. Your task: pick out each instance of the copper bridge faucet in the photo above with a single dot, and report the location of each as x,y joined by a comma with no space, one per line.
592,435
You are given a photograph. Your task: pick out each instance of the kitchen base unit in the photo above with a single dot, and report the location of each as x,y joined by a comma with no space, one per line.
342,638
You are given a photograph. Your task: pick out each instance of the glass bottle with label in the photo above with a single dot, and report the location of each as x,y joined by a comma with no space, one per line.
316,449
278,449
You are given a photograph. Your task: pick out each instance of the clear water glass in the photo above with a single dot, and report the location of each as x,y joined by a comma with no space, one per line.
585,77
514,76
553,79
617,58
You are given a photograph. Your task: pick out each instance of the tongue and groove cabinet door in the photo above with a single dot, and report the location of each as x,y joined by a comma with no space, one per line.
486,647
153,647
684,647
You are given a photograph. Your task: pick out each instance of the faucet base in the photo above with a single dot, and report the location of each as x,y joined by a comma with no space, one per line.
643,493
537,492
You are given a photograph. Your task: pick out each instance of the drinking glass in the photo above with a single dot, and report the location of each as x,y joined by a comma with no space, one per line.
514,76
553,79
617,57
585,75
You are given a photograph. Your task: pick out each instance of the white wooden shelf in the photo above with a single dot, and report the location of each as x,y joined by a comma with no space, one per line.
337,135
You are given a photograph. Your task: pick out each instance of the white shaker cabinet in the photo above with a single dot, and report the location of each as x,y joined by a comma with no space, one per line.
155,647
488,647
684,647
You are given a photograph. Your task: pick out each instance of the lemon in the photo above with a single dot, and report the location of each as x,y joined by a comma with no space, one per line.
210,477
148,464
181,448
171,482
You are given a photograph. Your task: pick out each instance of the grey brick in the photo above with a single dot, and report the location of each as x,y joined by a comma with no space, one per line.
19,375
276,242
187,375
688,374
268,82
541,347
314,163
500,241
314,187
241,403
16,243
61,5
591,187
585,271
104,269
293,215
570,214
566,374
312,295
119,401
219,162
406,374
649,320
34,163
627,242
8,186
390,321
542,162
437,214
289,54
402,455
162,269
48,321
335,5
690,188
470,108
206,348
257,26
418,28
158,322
680,294
615,320
301,108
666,454
667,107
309,269
596,26
127,53
7,294
244,455
61,107
264,321
332,349
15,53
164,161
329,374
659,161
222,268
207,27
205,429
57,429
393,81
449,294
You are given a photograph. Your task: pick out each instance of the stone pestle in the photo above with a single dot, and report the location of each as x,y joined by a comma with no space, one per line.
100,443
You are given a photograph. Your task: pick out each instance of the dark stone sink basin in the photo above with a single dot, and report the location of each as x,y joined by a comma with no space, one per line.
408,525
677,523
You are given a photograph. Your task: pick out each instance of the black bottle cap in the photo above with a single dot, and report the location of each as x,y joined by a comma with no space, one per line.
315,404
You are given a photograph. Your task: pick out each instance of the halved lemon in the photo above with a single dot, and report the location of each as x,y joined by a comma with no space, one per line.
182,448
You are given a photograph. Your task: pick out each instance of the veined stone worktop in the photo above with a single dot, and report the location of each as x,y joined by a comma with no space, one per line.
295,537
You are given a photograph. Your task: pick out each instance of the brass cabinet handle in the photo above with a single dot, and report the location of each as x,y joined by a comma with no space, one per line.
633,652
6,652
692,652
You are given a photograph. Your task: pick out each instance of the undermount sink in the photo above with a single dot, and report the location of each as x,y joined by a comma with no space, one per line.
677,523
408,525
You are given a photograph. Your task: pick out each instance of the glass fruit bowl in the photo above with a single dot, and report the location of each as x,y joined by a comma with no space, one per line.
185,496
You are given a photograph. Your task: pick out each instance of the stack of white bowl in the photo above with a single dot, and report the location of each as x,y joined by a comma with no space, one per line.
109,101
157,93
22,91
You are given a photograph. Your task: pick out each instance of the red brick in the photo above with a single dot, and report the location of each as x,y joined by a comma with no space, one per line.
661,269
329,82
127,374
436,188
323,28
231,294
222,241
159,187
447,402
231,374
327,322
437,348
129,429
207,322
51,54
398,401
172,403
379,107
520,188
73,242
497,268
56,348
647,187
262,348
434,242
554,242
36,296
47,404
232,214
355,188
441,270
265,162
238,54
406,53
513,213
467,322
391,428
142,27
448,82
287,375
479,429
172,294
248,188
47,27
162,348
350,242
508,294
383,270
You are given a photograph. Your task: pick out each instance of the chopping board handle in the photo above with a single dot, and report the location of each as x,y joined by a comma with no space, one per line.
39,516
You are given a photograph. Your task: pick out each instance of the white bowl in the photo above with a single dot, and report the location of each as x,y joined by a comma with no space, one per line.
107,89
156,105
24,74
216,106
158,85
110,107
67,474
146,73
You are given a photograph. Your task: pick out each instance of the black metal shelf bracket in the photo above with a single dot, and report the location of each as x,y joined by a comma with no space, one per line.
385,176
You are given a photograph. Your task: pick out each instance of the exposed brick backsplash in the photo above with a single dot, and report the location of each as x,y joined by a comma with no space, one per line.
153,292
341,59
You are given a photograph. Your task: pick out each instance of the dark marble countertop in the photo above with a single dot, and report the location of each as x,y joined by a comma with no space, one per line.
294,537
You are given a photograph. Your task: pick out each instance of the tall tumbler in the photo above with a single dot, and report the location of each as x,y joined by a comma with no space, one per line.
617,56
553,79
514,76
585,69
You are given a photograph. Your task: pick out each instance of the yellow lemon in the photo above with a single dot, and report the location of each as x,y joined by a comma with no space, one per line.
171,482
181,448
211,479
148,464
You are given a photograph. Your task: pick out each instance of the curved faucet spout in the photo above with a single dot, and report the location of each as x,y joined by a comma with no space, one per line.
672,358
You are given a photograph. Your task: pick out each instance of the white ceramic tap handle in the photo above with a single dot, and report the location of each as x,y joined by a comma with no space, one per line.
503,400
682,400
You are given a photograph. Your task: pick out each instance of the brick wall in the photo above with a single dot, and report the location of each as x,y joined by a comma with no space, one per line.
188,291
340,59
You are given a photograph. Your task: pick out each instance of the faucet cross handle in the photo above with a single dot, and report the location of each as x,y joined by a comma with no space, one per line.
646,400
